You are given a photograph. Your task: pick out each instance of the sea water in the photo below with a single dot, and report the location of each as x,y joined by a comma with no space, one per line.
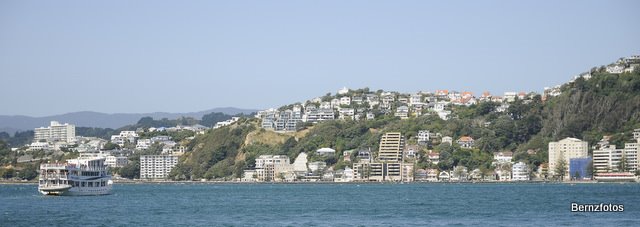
195,204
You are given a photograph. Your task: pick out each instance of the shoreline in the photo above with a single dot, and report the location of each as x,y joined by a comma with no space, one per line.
120,181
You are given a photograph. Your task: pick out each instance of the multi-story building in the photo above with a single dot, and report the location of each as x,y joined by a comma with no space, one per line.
272,167
389,165
402,112
391,147
636,134
565,150
144,144
56,132
116,162
608,158
319,115
520,172
157,166
424,136
123,137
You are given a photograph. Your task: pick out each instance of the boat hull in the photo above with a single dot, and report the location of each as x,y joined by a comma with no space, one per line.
54,190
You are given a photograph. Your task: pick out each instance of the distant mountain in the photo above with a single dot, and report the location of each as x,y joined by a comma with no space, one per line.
12,124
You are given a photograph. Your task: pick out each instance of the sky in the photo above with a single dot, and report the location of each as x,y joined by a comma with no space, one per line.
182,56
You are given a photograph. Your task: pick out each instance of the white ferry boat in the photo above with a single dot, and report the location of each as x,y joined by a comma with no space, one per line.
82,176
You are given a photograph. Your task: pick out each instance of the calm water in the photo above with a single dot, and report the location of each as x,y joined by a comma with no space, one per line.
322,205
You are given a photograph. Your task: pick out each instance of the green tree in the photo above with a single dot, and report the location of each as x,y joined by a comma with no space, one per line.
623,165
7,173
590,169
29,172
132,169
110,146
561,168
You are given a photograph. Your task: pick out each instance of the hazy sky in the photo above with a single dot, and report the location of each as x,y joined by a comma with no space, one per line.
180,56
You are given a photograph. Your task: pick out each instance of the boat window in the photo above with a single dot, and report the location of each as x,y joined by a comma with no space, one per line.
90,184
84,184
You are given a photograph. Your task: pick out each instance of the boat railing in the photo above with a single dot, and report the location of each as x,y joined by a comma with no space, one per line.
90,168
54,176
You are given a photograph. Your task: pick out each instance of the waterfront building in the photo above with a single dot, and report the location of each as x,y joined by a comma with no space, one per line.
565,150
300,164
420,175
432,175
272,167
444,176
520,172
249,176
316,167
383,171
609,158
55,132
157,166
579,168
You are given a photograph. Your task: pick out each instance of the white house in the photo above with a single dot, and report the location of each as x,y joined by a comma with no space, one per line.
343,90
617,69
447,139
424,136
402,112
326,151
345,101
503,157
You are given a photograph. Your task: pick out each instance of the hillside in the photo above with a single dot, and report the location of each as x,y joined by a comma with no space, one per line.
603,105
606,104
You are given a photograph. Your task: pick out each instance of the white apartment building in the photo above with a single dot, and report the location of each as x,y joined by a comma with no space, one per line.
157,166
566,149
608,158
319,115
56,132
520,172
116,162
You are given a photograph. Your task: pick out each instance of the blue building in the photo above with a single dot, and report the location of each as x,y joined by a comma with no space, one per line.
580,167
